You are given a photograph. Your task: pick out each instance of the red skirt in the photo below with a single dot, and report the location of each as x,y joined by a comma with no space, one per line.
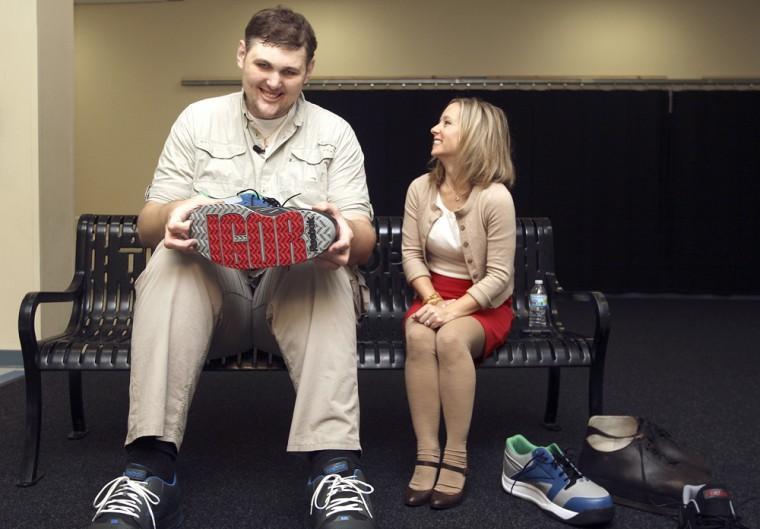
496,322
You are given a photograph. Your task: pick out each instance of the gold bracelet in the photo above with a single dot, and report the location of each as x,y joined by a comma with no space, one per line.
433,299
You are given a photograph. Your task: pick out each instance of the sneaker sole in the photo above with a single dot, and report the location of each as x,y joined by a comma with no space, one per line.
533,494
235,236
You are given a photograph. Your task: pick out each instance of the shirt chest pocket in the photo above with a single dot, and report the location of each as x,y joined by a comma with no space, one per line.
307,171
220,168
310,164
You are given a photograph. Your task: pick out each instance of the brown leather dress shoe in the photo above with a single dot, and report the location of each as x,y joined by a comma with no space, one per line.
415,498
662,440
639,475
441,500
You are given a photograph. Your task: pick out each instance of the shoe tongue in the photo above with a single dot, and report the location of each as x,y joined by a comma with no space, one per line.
137,472
338,465
714,500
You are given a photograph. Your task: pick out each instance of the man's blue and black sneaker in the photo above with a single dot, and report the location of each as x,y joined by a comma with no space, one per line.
137,500
546,477
340,498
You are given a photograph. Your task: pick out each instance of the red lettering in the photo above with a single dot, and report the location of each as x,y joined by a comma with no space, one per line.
234,241
261,240
289,231
214,244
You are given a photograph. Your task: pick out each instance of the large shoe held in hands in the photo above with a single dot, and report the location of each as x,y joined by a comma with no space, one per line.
250,233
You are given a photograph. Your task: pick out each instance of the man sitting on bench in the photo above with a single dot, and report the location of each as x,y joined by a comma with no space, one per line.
268,138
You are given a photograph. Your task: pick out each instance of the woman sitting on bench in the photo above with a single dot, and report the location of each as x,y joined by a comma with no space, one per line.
458,251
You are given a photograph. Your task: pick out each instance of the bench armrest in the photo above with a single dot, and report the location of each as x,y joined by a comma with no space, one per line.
601,312
28,311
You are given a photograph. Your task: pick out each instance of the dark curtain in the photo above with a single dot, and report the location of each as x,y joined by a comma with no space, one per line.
647,191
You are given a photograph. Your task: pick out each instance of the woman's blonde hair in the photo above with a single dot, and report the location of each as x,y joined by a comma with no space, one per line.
484,145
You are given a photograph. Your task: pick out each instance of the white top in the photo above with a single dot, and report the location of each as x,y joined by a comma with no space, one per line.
444,247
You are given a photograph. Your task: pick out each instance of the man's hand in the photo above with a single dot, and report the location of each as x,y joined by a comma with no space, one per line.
177,229
338,253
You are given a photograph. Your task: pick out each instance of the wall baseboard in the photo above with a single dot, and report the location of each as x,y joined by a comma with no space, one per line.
10,358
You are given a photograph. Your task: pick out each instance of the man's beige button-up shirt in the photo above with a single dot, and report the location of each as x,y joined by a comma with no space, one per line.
209,151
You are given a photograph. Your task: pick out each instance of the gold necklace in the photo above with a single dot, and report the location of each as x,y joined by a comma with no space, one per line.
457,196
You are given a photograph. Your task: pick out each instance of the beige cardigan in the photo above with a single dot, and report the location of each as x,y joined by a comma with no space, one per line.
487,231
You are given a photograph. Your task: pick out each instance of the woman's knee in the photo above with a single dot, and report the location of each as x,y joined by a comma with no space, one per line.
419,340
451,345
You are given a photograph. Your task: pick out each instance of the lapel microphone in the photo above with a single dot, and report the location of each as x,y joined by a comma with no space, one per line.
258,150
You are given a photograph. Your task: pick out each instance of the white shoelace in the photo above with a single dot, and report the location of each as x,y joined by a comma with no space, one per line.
338,484
124,496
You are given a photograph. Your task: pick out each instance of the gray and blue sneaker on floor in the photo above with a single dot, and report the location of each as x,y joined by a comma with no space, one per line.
137,500
251,232
340,498
546,477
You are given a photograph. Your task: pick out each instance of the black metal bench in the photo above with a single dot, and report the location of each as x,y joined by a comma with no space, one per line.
109,258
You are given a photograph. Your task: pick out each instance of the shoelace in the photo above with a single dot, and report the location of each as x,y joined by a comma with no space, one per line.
338,484
569,468
652,448
555,464
124,496
269,201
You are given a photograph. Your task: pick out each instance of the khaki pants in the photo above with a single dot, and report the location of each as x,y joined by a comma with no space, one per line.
186,306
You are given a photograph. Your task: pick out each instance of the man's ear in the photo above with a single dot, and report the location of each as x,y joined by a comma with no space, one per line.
309,69
240,55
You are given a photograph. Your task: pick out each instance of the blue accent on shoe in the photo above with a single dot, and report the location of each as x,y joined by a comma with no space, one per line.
541,470
252,200
337,467
136,473
587,504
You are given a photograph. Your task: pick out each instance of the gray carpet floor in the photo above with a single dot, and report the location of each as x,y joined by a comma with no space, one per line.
690,365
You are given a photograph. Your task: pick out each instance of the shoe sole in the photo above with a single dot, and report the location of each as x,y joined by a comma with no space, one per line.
533,494
644,506
654,503
235,236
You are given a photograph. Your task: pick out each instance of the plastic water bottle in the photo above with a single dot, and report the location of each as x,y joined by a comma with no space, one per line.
538,304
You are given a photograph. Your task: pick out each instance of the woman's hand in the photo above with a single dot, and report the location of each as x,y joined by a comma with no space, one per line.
434,316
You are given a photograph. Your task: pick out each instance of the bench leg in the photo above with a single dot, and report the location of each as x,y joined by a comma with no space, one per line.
28,475
552,401
79,428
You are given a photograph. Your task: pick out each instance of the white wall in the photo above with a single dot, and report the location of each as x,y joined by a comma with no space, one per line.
19,168
36,158
55,23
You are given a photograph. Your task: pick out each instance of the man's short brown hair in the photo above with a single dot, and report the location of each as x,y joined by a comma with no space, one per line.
281,26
